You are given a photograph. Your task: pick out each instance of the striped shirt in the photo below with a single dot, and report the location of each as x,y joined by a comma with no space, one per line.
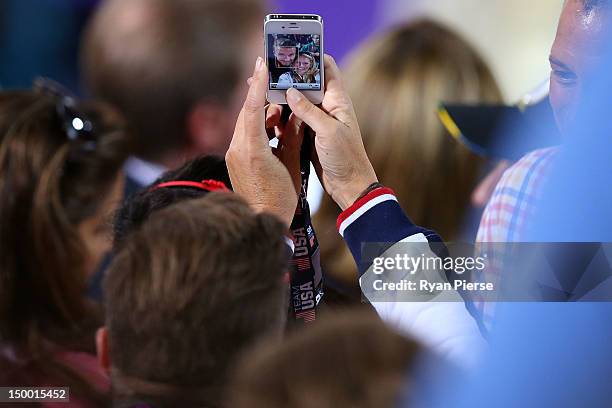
508,214
514,200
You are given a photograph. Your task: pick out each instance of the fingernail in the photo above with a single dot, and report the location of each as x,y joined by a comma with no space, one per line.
294,95
258,64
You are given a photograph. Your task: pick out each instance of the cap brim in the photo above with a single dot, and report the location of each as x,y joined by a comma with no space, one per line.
500,131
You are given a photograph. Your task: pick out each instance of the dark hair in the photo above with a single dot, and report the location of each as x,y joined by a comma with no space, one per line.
49,184
199,282
139,207
350,359
155,59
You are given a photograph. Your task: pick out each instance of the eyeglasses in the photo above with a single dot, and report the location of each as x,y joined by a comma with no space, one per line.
77,126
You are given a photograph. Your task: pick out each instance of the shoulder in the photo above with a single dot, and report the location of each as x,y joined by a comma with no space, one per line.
529,168
524,178
515,196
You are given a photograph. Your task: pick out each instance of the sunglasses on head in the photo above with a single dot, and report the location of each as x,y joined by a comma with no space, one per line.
76,124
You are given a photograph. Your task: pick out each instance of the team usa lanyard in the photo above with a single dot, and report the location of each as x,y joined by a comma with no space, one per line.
306,277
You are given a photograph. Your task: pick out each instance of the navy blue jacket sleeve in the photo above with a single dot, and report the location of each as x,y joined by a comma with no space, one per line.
378,219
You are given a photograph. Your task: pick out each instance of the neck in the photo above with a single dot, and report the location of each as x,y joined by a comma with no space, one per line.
173,159
129,391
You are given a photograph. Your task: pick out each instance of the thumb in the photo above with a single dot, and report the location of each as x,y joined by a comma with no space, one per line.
253,110
309,113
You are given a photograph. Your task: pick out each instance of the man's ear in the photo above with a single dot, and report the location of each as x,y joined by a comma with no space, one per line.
102,348
210,128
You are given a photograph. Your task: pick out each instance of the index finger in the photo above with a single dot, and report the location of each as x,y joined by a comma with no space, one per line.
333,77
273,115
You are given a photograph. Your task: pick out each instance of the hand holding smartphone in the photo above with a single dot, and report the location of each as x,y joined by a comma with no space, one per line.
294,54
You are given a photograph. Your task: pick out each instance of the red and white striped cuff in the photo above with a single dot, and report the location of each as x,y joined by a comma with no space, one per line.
361,206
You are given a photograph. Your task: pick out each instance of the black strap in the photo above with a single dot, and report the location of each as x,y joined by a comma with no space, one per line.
305,266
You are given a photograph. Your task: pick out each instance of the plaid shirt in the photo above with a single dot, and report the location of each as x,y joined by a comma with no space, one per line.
508,214
514,199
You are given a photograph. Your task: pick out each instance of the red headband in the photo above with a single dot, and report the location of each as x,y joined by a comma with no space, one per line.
207,185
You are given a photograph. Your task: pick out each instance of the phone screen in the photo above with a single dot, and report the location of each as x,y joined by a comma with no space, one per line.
294,61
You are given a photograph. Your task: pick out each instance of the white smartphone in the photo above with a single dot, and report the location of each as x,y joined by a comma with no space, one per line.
294,54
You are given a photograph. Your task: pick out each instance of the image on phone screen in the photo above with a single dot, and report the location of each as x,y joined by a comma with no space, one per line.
294,61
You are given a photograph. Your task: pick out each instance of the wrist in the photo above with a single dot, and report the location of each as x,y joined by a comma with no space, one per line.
375,196
352,192
282,211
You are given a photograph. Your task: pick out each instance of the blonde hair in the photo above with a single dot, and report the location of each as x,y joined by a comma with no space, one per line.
396,81
309,76
365,364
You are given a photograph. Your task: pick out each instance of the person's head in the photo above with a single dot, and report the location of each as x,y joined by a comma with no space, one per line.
316,39
59,187
350,359
396,81
175,69
189,290
285,52
305,63
578,47
139,207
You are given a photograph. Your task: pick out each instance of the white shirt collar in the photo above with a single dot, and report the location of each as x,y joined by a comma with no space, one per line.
143,172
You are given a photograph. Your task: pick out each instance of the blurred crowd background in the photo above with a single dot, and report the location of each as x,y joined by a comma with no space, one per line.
548,354
40,37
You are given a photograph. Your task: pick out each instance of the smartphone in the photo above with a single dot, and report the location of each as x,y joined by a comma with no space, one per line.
294,54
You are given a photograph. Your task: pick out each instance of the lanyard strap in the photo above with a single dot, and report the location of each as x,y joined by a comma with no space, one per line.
306,276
